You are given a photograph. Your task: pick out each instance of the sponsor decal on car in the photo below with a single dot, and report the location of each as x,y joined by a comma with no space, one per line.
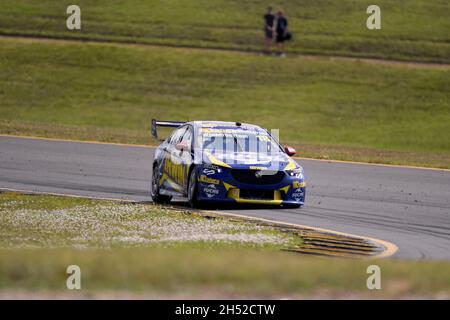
298,194
209,172
175,171
211,166
257,168
211,191
298,184
205,179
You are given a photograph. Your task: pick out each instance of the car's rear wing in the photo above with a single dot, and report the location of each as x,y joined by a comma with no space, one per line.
169,124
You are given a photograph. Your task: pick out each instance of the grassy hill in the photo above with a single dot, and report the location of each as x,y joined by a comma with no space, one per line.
415,30
327,107
345,110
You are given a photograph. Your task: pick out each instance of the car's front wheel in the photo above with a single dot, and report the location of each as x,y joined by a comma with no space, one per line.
193,188
156,196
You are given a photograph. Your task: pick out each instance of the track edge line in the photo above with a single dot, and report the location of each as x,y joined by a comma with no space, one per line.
389,248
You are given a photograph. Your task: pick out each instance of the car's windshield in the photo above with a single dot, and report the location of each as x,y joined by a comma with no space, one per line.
232,141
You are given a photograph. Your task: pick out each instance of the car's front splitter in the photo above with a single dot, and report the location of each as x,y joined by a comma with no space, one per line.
220,191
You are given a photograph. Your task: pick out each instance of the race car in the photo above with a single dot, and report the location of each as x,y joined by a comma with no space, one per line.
212,161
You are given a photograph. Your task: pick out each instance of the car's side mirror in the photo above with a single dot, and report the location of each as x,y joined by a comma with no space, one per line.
183,146
289,151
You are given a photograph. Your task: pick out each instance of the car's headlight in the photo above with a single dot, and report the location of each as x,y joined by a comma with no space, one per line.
297,172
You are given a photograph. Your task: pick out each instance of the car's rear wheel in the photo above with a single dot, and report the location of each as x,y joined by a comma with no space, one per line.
156,196
193,188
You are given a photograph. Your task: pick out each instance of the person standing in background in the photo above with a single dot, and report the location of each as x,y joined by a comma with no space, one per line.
269,24
282,32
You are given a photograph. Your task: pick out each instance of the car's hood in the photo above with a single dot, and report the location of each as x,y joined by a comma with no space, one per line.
252,160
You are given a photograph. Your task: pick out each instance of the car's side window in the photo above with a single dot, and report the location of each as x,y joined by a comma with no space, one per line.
177,135
188,136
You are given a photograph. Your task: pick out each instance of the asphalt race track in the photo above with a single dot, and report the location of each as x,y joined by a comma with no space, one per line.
405,206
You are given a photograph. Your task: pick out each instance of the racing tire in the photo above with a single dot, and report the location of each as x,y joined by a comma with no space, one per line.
156,196
193,188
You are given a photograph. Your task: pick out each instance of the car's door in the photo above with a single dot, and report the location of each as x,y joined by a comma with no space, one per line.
174,168
185,155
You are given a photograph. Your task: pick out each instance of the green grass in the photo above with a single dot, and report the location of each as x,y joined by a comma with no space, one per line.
415,30
53,222
219,273
343,110
41,235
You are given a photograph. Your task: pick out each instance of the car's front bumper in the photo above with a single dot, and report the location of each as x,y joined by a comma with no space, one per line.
221,186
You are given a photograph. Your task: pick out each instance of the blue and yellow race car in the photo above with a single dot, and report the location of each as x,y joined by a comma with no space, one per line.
212,161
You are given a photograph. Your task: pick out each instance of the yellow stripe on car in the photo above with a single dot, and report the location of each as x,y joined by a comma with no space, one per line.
291,165
234,193
216,161
165,177
228,186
